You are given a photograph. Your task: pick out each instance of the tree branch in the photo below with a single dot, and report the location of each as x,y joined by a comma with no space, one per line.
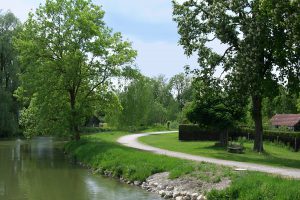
223,56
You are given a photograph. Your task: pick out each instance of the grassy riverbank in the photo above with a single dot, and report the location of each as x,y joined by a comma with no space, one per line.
100,151
274,155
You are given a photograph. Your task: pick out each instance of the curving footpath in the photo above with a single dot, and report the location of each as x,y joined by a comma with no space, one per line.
132,141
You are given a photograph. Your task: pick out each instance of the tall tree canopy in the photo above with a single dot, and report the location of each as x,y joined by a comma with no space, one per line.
8,74
214,108
262,39
69,57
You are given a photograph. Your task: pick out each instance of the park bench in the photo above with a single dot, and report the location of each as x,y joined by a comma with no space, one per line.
235,149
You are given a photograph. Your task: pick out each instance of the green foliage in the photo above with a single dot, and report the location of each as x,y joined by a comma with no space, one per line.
298,104
145,102
181,84
69,57
253,186
262,44
8,75
285,102
8,118
213,107
136,102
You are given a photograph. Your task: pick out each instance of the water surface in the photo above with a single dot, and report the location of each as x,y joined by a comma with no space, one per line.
38,170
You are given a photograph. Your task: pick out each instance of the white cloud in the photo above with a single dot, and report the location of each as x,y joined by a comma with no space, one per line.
166,58
151,11
20,8
161,57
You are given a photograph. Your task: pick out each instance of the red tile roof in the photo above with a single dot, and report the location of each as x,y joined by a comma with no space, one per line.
285,120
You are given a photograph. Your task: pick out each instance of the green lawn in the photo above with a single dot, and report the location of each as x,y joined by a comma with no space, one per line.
274,154
100,151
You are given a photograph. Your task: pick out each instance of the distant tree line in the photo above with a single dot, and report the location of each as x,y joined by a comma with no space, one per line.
151,101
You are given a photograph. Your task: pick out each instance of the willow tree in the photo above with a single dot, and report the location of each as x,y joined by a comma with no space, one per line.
8,74
261,40
69,57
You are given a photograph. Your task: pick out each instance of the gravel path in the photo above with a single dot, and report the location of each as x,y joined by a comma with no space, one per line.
132,141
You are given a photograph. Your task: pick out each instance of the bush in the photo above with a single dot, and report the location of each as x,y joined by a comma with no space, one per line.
174,125
94,129
190,132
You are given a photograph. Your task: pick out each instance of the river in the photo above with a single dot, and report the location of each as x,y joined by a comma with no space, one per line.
37,169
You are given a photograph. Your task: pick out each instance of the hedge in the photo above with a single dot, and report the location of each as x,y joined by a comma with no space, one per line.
189,132
195,132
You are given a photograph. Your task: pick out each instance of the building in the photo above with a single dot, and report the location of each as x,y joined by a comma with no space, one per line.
292,121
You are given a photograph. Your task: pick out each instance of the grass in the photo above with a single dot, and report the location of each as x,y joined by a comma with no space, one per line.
258,186
274,155
100,151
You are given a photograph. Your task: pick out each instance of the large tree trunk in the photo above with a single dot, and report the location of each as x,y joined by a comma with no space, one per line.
224,138
74,126
257,117
76,134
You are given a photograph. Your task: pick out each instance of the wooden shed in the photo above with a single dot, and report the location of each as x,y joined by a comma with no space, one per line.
292,121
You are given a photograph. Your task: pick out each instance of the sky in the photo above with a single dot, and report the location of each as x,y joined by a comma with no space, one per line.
147,24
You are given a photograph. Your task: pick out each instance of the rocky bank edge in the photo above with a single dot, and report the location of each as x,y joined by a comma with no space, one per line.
183,188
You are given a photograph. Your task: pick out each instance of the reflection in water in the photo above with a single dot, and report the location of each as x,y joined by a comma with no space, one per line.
37,170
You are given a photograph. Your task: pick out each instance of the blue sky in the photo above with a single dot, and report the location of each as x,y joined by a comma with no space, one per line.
146,23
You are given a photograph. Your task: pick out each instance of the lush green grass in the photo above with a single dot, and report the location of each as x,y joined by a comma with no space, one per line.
274,155
100,151
258,186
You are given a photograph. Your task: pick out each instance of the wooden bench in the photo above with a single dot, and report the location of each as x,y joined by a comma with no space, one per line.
235,149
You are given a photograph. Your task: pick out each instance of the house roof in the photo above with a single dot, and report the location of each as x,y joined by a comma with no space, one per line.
285,119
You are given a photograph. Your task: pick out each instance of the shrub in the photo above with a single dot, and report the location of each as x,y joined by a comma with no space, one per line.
189,132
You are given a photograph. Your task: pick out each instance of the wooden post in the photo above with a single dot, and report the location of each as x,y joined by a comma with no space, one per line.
295,144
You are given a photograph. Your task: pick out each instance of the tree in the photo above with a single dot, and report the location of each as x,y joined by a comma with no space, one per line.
69,57
298,104
285,102
145,102
136,101
164,99
260,39
181,84
213,107
8,74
